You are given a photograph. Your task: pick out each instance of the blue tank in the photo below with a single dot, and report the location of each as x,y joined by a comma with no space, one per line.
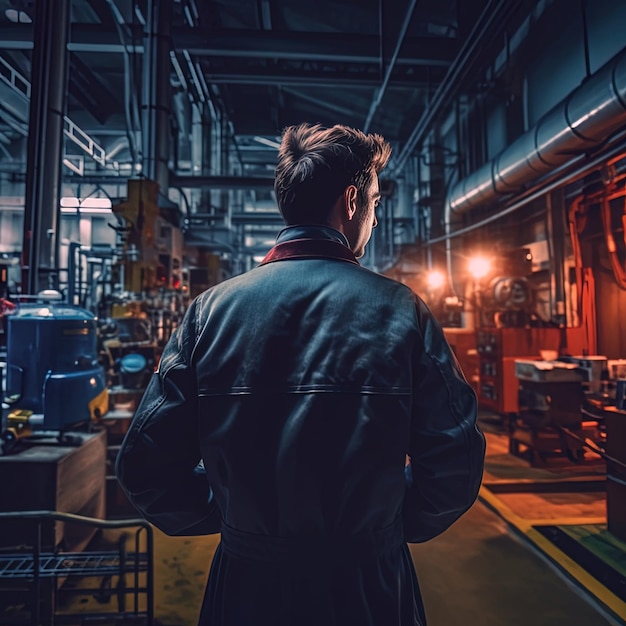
52,365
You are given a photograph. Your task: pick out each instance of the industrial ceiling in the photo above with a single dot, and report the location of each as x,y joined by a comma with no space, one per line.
264,63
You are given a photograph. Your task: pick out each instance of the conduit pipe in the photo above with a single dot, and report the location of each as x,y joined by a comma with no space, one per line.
487,24
378,96
588,116
584,119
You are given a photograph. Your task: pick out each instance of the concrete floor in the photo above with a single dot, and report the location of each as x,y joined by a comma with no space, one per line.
478,573
490,569
484,571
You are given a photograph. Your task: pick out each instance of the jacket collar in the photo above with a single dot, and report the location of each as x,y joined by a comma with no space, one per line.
310,242
311,231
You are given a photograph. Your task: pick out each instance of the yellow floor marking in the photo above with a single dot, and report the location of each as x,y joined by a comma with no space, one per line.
591,584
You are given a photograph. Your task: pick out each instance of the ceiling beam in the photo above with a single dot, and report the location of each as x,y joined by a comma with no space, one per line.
222,182
346,80
305,46
320,102
302,46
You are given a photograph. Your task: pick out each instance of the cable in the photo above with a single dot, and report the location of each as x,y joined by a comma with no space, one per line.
490,21
594,448
381,90
183,195
618,271
560,177
574,230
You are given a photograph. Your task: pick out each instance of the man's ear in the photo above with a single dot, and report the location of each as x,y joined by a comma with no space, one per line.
350,196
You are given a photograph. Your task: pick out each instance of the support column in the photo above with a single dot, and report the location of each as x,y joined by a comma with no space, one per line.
40,250
155,108
225,164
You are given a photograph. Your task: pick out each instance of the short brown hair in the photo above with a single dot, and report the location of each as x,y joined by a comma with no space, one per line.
316,164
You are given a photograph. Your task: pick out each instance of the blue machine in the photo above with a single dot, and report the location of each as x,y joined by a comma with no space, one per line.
54,380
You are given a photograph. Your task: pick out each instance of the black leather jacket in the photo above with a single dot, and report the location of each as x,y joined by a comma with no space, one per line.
301,386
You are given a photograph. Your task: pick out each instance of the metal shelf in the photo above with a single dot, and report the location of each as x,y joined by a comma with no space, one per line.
23,565
41,571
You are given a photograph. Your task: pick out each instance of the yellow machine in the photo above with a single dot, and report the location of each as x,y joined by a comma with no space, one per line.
140,215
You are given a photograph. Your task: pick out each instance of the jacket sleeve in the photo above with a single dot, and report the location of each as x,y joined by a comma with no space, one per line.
158,465
447,448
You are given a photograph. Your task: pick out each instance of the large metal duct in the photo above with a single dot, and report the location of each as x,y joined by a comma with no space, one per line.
588,116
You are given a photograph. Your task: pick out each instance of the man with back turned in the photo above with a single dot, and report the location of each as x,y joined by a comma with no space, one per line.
285,407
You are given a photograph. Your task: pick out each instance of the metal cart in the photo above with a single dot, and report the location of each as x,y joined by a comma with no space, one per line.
41,585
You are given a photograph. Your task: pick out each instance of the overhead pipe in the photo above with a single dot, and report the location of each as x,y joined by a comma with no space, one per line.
273,218
588,116
492,13
566,174
131,109
380,92
584,119
117,146
176,180
222,182
156,92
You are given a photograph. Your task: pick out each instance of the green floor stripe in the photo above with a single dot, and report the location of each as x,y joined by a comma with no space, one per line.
598,540
591,555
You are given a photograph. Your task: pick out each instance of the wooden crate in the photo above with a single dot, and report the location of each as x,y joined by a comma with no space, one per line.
48,475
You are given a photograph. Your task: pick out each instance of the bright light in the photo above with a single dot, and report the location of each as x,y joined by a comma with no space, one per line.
87,211
69,204
96,203
479,267
435,279
87,203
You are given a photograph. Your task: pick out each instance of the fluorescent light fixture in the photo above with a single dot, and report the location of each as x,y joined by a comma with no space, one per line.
96,203
87,211
70,204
